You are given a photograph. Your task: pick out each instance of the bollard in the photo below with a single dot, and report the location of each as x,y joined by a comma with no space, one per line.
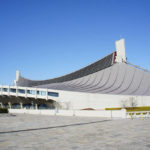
142,116
131,117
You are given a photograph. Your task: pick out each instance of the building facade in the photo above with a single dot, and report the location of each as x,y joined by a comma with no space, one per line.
108,83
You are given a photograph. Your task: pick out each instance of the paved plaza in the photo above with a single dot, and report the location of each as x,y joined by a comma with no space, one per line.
37,132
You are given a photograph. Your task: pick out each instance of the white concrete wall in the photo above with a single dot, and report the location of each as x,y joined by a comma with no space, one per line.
79,100
79,113
84,113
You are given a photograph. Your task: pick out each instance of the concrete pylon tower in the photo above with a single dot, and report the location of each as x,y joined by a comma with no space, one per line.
121,51
17,77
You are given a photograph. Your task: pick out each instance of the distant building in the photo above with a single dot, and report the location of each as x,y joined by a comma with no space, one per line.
110,82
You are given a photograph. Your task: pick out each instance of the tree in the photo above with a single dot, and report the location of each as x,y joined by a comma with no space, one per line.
124,103
132,102
129,102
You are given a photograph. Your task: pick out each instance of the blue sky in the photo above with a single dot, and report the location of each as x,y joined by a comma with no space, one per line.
49,38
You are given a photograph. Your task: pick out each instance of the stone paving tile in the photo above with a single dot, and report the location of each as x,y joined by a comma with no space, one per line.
33,132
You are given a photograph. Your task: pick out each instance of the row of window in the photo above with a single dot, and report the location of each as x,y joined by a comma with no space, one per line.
33,92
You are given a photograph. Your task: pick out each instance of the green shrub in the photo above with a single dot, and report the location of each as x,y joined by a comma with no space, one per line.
131,114
138,113
3,110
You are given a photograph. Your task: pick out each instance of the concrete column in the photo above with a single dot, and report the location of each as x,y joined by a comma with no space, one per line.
1,104
21,105
32,105
36,106
9,103
16,91
46,94
26,92
1,89
36,93
9,90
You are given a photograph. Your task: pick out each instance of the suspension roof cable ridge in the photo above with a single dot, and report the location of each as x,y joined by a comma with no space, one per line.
138,67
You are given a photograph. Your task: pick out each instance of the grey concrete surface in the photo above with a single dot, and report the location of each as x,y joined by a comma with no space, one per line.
33,132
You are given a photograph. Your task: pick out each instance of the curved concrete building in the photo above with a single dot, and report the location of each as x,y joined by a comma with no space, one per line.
109,82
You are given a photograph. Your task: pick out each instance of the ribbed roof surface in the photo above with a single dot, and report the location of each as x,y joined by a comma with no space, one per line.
120,79
90,69
102,77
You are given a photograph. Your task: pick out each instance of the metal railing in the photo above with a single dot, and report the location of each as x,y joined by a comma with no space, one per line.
28,92
138,114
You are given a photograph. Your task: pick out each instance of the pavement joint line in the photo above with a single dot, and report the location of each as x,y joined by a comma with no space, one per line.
53,127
